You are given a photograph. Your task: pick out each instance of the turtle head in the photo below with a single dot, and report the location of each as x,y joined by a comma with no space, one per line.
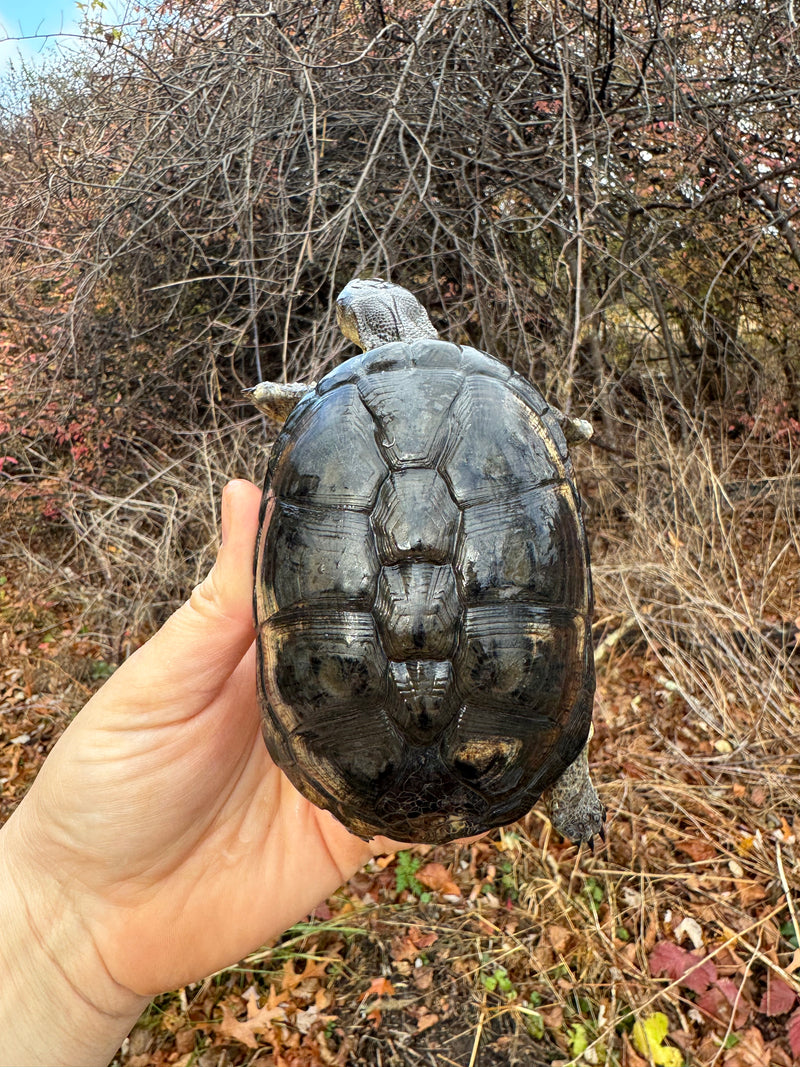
372,312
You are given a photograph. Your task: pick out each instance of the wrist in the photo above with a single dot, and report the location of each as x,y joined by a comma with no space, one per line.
60,1006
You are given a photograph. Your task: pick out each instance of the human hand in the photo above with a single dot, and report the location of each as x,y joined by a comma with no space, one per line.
159,841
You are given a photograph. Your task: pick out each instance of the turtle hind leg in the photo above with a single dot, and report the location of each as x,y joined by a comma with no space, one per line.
574,807
278,400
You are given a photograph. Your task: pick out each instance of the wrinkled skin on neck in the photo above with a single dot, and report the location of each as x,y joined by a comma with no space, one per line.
371,312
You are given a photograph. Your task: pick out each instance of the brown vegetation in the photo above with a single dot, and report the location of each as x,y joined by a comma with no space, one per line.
604,196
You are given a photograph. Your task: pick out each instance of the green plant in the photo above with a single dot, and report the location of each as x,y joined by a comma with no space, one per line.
594,892
533,1023
100,670
407,866
578,1039
499,981
789,931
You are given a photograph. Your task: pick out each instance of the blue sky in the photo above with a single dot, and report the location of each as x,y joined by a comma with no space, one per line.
31,17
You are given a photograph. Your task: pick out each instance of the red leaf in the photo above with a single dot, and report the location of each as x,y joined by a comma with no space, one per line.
719,1001
793,1030
678,963
779,997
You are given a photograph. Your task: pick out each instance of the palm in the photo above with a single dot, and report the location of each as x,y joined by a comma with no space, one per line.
192,846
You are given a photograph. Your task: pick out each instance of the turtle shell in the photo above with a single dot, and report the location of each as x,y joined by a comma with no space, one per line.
423,596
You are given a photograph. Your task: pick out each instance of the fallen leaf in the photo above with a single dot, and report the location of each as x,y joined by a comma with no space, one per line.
697,848
304,1020
422,940
749,892
793,1032
429,1019
435,876
312,968
758,796
185,1041
552,1016
750,1052
632,1059
423,978
779,1057
648,1036
234,1030
380,987
559,937
723,1000
778,998
682,966
411,945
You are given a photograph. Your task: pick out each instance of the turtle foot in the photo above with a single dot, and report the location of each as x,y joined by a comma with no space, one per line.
574,807
278,399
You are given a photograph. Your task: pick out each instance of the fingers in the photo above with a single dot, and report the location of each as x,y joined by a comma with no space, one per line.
227,591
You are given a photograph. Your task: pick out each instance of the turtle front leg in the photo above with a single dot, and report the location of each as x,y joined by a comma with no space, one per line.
278,399
576,431
574,807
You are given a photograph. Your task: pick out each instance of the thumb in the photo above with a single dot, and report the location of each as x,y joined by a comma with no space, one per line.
185,664
226,593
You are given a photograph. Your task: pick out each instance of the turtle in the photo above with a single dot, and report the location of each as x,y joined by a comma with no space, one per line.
423,596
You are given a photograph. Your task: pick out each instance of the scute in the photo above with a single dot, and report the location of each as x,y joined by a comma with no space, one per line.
316,463
391,395
497,447
417,611
329,555
527,548
516,658
415,518
422,698
423,595
321,662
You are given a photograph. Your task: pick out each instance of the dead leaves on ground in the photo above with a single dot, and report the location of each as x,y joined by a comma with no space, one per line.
728,1000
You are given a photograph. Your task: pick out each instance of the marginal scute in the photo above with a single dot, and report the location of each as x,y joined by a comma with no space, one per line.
334,748
392,356
528,393
475,362
487,761
430,355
